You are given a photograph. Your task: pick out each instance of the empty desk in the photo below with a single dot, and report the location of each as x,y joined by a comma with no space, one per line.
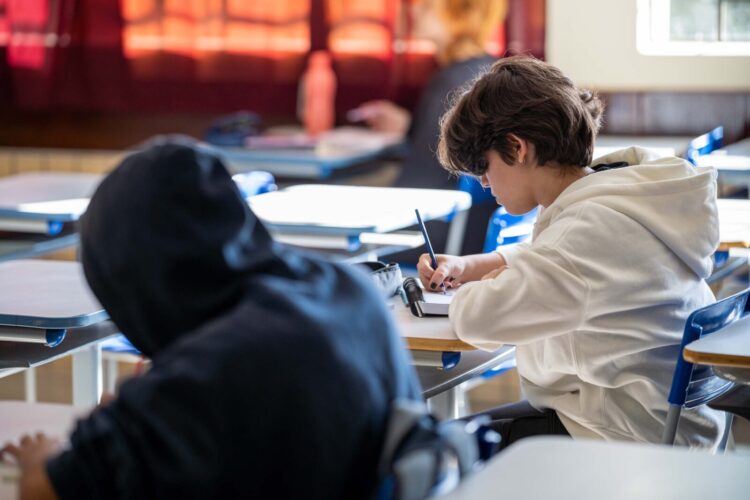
39,298
561,468
336,151
324,216
662,145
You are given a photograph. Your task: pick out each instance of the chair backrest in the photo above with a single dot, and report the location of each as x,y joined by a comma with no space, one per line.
704,144
505,228
695,385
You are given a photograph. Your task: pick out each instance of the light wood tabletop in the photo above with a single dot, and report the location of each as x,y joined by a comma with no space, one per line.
728,347
428,333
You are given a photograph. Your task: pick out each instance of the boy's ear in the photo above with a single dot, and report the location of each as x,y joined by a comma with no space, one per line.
521,148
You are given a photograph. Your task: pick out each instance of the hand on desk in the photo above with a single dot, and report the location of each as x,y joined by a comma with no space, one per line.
449,272
383,116
31,455
453,271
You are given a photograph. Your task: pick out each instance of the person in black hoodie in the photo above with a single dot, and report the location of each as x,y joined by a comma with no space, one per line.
272,371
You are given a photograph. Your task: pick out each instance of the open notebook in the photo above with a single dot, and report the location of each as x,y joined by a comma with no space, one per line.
426,303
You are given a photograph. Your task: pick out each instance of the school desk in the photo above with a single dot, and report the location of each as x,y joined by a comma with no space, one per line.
24,245
46,312
734,223
44,202
563,468
443,362
336,151
727,351
340,216
663,145
18,418
734,169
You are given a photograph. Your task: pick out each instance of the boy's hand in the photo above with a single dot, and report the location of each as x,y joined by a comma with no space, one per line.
31,455
31,451
449,272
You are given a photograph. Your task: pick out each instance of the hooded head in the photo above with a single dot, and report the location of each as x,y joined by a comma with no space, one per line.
168,243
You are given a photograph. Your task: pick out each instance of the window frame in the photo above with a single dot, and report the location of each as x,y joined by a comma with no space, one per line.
649,43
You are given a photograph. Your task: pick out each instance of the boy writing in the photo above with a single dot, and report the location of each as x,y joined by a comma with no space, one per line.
597,302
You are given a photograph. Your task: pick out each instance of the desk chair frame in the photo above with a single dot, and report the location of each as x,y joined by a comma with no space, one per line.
695,385
704,144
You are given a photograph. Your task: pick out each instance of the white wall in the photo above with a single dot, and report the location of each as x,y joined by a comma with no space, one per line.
593,42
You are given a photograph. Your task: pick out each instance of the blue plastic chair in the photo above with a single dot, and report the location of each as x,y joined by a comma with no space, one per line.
254,183
695,385
470,184
504,228
704,144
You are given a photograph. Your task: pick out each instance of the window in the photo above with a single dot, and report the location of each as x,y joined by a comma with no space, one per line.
693,27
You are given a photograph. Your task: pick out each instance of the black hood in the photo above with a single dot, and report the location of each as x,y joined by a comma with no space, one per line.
168,243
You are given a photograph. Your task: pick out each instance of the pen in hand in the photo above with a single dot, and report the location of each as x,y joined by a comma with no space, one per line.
433,259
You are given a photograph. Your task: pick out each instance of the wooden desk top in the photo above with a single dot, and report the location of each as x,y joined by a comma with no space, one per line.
734,223
428,334
728,347
555,467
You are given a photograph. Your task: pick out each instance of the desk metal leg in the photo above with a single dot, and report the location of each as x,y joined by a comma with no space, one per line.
449,404
87,376
30,385
111,375
456,233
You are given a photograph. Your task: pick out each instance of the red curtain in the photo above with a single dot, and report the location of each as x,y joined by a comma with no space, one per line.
216,55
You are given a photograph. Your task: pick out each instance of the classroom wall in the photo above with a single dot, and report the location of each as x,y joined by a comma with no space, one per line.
594,42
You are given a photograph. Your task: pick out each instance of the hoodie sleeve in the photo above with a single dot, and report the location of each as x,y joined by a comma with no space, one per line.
510,252
154,441
540,295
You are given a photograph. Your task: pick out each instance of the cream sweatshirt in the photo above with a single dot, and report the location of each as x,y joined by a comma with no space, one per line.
597,302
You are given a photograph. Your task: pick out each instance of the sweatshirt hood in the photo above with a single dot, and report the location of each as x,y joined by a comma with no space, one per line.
671,198
168,243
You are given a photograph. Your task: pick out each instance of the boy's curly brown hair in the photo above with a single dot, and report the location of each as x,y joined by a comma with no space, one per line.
526,97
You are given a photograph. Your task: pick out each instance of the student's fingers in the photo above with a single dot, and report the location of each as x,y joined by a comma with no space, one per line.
424,267
439,276
451,282
10,450
25,440
366,112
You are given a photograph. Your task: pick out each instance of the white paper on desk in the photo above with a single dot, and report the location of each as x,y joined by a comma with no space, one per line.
436,304
18,418
10,475
54,420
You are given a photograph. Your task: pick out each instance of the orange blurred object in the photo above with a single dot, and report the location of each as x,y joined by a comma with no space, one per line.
318,94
